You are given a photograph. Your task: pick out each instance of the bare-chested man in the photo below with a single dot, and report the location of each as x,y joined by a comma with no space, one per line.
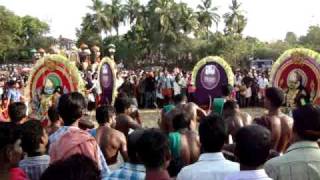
184,144
124,121
191,110
234,118
111,141
278,123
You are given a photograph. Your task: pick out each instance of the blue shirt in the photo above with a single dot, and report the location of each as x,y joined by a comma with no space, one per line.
35,166
128,171
103,164
14,95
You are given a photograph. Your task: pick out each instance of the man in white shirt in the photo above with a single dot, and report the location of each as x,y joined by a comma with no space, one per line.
252,153
263,84
211,164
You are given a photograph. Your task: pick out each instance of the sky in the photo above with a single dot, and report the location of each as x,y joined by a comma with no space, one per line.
268,20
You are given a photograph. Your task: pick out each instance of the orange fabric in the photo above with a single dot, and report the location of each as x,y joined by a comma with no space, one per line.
74,141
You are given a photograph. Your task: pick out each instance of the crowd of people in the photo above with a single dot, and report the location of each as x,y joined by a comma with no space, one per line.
81,138
190,143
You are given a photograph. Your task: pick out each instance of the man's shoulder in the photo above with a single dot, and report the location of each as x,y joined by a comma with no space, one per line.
35,161
276,162
56,135
116,133
193,167
123,117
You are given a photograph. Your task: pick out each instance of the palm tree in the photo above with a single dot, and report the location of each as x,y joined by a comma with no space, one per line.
116,13
131,10
207,15
235,20
163,13
188,19
100,16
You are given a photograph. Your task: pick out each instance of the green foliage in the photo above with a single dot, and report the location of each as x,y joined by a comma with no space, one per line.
90,32
19,34
291,38
235,20
312,39
174,32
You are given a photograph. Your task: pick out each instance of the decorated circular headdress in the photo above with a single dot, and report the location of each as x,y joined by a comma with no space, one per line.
209,75
107,80
48,74
298,68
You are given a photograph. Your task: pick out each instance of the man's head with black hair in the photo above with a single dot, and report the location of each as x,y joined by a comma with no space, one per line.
71,107
153,149
230,108
213,133
274,98
105,114
34,138
76,167
306,123
180,99
253,144
10,145
132,144
180,121
226,90
17,112
53,114
122,105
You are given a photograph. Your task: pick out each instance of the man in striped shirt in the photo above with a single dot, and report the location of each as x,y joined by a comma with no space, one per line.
133,169
34,141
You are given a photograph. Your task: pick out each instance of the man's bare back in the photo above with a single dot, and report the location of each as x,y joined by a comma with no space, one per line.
190,147
191,110
281,129
236,121
111,141
124,123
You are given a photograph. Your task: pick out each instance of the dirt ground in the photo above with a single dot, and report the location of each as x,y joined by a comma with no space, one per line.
150,117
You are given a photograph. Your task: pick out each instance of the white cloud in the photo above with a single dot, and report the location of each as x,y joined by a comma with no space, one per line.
267,19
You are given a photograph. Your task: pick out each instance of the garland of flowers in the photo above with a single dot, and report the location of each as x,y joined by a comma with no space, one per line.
71,69
289,53
114,74
215,59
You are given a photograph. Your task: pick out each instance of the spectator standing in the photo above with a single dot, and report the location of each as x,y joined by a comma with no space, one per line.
17,112
252,154
14,94
75,167
71,107
155,154
55,120
302,159
213,135
10,153
150,91
263,84
34,141
133,169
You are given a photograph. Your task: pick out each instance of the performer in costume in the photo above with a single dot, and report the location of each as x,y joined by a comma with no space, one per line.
297,73
95,59
73,56
51,76
209,76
